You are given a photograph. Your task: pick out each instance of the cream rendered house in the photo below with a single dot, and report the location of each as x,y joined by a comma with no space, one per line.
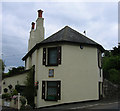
67,65
17,79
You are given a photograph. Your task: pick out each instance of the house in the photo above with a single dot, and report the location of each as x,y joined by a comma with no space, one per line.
67,65
11,81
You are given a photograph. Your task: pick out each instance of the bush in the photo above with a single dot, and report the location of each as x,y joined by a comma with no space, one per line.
6,96
23,102
114,76
112,62
14,92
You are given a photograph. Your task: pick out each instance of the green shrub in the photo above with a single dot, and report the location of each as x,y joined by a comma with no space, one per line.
6,96
23,102
114,76
14,92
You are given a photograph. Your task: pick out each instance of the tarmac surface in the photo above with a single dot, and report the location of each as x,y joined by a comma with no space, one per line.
105,104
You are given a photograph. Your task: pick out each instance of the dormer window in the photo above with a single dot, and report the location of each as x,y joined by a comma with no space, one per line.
52,56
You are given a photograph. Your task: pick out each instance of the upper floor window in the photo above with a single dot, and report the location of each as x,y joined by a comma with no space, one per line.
52,56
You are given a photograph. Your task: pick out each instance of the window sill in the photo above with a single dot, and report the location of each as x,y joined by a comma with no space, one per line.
51,65
50,100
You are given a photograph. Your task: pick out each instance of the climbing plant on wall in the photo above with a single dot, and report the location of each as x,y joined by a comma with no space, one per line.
29,91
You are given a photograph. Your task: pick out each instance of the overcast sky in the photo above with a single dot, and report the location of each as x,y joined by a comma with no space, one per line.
99,19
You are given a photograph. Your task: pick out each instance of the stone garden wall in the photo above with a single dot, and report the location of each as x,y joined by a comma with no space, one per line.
111,90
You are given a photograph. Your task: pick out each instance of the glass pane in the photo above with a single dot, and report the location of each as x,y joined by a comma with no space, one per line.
53,56
52,83
52,91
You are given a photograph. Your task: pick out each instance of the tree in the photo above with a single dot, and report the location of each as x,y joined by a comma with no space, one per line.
116,51
114,76
2,65
14,71
111,65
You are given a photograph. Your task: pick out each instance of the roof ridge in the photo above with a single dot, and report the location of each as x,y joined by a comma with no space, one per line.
66,30
83,35
53,34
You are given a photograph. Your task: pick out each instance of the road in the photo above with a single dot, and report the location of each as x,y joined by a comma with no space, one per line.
88,106
114,105
110,105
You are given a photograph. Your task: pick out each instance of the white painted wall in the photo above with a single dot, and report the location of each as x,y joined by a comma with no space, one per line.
13,81
79,74
36,35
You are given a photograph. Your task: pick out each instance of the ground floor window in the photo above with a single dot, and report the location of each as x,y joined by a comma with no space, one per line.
20,89
51,90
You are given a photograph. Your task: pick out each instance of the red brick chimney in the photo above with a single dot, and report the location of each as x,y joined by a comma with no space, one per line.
36,33
40,13
33,25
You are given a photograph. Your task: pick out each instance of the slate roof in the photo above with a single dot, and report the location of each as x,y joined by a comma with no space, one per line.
68,35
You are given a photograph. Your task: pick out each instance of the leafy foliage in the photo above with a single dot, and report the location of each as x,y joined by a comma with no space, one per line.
9,95
6,96
2,65
114,76
23,102
111,65
29,90
14,71
14,92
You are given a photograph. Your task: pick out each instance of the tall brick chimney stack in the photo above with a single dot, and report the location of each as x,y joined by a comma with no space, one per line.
36,35
33,25
40,13
31,38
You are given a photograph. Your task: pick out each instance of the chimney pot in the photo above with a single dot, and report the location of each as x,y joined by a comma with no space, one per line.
40,13
33,25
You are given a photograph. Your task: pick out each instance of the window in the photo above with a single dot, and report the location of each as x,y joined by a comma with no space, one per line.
20,89
51,90
52,56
